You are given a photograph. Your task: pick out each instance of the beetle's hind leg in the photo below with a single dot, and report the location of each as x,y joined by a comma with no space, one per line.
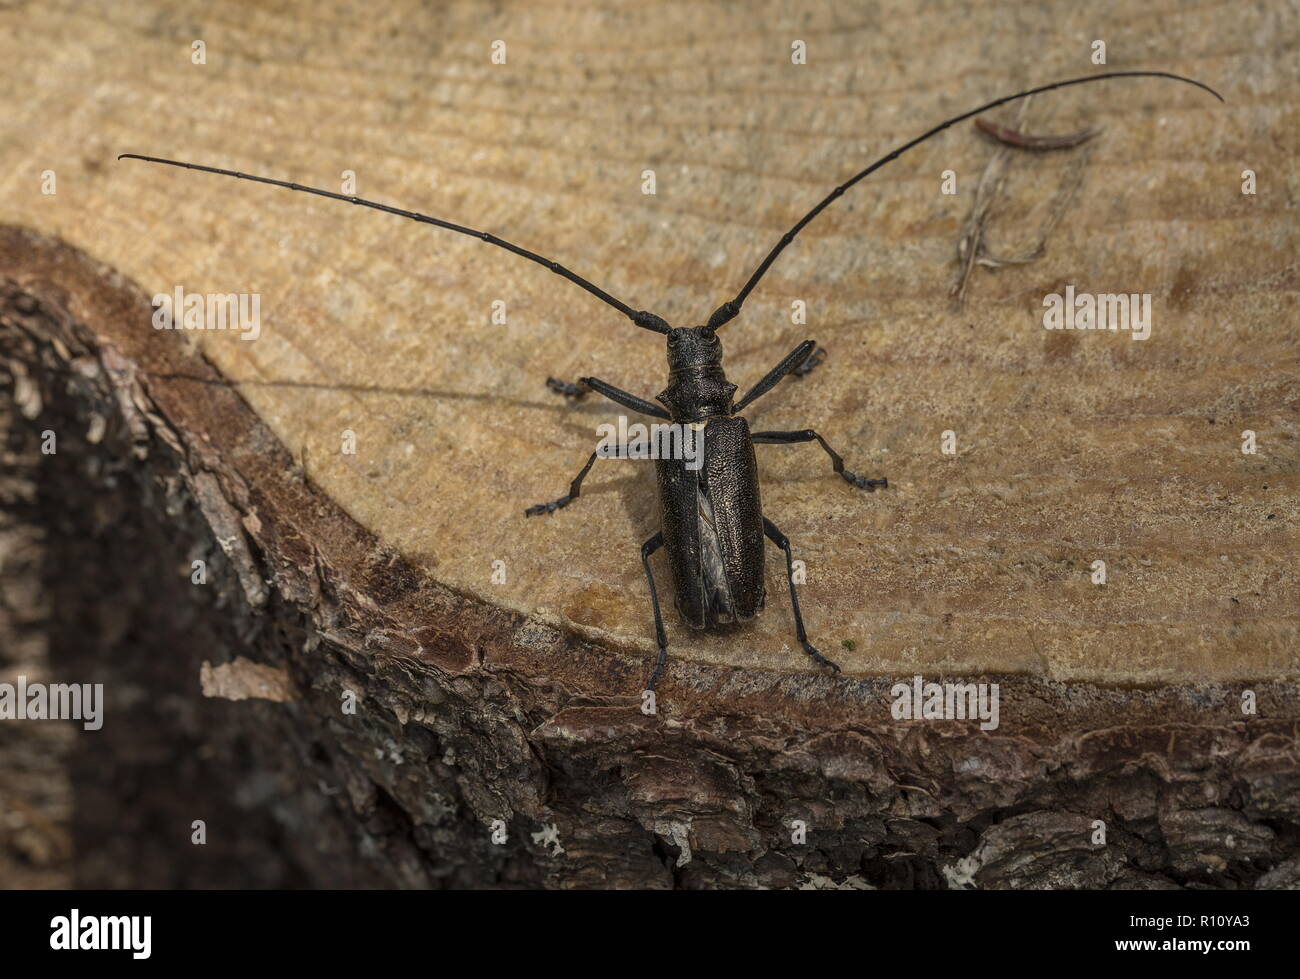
781,541
648,548
808,435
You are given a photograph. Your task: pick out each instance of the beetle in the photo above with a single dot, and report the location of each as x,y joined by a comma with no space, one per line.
713,525
712,521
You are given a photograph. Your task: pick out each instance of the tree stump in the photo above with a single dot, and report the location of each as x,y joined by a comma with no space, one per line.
389,677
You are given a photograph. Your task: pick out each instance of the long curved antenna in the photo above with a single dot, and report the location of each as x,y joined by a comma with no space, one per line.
728,310
643,319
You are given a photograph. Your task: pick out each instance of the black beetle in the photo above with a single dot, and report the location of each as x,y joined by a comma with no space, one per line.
712,519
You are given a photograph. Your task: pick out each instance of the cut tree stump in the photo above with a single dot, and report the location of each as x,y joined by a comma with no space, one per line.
1161,704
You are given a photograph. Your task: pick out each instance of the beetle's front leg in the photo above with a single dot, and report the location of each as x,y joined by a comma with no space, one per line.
814,359
808,435
567,389
616,395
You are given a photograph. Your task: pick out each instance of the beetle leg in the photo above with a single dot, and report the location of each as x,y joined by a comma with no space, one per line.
793,361
808,435
616,395
565,388
575,490
648,548
814,359
781,541
636,450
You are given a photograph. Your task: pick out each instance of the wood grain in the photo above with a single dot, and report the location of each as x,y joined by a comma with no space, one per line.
1072,447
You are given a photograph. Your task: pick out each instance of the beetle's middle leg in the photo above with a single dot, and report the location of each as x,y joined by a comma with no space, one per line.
635,450
808,435
781,541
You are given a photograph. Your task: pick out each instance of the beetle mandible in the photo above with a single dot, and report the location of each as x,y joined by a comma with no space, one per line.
712,523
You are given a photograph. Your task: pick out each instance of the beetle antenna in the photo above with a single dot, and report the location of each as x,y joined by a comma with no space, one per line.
643,319
728,310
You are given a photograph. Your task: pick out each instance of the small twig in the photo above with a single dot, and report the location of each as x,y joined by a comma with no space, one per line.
972,247
1013,137
1061,201
971,244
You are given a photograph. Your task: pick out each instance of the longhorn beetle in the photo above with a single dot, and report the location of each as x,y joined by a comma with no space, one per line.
712,522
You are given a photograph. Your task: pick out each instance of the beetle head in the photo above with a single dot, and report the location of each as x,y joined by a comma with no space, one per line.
694,346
